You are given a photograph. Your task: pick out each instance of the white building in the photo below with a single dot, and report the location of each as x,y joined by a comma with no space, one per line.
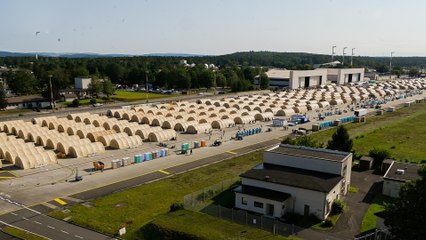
397,174
82,82
342,76
295,179
294,79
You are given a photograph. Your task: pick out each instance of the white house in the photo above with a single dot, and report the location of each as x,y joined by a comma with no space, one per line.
295,179
25,102
82,82
397,174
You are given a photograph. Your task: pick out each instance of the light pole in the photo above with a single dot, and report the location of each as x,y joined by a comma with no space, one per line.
390,62
343,59
51,91
352,55
146,89
332,53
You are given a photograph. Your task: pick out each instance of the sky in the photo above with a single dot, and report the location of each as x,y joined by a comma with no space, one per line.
215,27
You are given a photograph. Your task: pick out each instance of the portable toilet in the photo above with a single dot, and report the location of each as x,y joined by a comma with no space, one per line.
159,154
196,144
115,163
163,152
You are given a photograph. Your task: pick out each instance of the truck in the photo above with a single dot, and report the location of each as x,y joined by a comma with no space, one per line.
360,112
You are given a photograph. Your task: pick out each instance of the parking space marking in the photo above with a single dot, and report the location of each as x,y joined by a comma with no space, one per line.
60,201
162,171
231,152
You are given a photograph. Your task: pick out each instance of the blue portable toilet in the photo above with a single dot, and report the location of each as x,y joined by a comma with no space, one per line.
163,152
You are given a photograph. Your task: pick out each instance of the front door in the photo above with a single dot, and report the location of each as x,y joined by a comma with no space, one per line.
307,81
270,209
306,213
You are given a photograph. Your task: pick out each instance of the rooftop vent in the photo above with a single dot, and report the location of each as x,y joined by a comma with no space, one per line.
400,171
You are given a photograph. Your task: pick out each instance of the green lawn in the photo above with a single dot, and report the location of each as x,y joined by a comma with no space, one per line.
21,234
84,101
333,218
14,111
136,96
401,132
185,224
140,205
370,219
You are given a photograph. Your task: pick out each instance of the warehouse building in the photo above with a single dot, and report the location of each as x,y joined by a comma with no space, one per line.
295,179
341,76
294,79
398,174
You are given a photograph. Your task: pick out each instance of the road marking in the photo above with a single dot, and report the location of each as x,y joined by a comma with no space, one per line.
231,152
5,177
78,236
14,214
50,227
60,201
65,232
162,171
39,223
10,225
24,218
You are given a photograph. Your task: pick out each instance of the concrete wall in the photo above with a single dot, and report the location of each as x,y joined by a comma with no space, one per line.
314,164
82,83
279,211
297,78
300,197
391,188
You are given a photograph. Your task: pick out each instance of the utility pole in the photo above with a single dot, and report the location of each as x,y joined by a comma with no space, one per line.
51,91
332,53
343,59
146,88
390,62
352,55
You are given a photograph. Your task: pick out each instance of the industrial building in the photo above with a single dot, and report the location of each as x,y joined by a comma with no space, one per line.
398,174
295,179
82,83
295,79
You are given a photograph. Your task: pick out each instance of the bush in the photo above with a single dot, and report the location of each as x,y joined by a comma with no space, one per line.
92,101
76,103
176,206
378,155
337,207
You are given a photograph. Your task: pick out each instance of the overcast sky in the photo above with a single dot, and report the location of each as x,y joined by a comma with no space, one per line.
373,27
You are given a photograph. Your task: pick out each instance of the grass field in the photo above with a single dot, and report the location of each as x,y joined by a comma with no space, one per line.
195,225
84,101
15,111
140,205
21,234
369,221
401,132
136,96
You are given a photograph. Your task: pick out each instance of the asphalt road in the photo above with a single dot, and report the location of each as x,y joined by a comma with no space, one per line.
51,228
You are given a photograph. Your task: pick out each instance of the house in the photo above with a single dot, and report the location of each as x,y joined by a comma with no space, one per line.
295,179
81,83
397,174
23,102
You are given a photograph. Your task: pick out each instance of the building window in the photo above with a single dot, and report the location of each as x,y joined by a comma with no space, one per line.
258,204
243,201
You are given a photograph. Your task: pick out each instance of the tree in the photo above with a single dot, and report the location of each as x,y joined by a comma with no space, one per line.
22,82
406,214
95,87
264,81
340,140
114,72
413,72
379,155
108,88
3,101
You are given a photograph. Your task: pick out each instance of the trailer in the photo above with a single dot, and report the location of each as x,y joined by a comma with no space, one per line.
360,112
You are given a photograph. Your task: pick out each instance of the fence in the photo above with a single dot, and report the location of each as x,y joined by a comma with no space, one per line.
197,200
242,217
375,235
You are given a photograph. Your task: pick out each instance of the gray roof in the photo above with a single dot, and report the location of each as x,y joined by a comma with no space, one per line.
308,152
295,177
262,193
410,172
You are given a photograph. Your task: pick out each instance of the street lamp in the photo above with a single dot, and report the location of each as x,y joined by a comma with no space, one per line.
352,55
390,62
51,91
332,53
146,87
343,60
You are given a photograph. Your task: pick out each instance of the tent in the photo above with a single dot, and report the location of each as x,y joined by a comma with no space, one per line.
160,136
244,119
143,133
199,128
126,142
222,123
